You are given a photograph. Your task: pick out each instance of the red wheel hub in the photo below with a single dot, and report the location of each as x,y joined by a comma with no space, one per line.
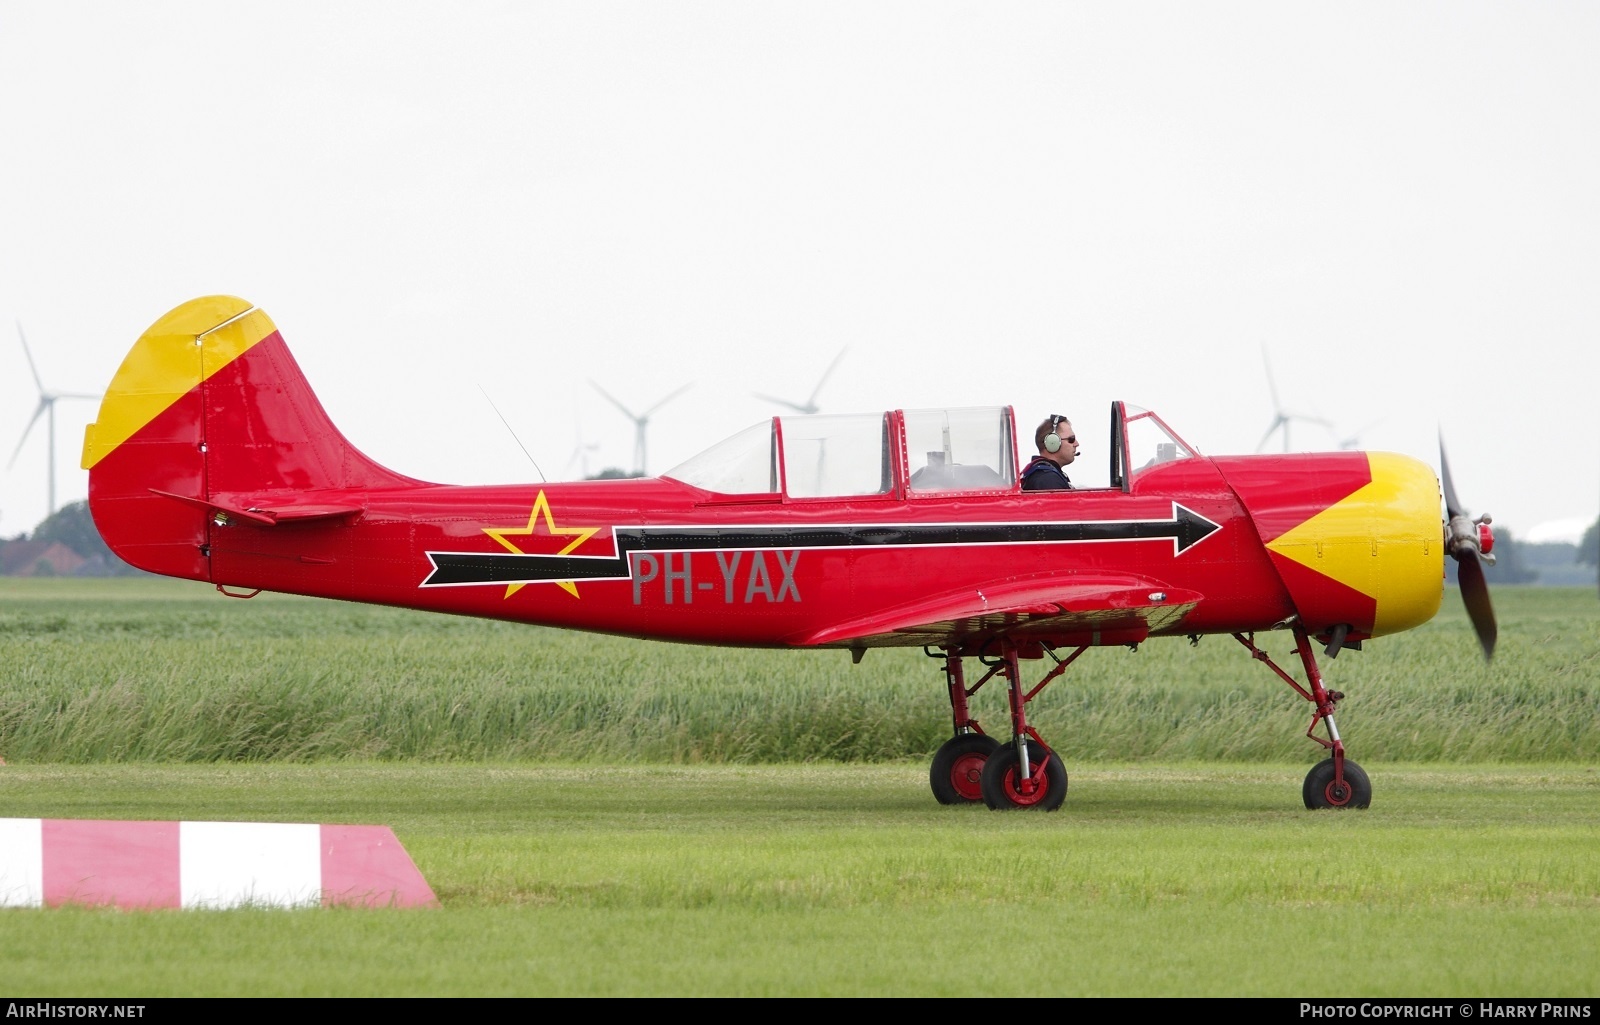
965,773
1026,792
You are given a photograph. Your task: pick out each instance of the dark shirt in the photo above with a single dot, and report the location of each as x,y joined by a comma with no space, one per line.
1043,475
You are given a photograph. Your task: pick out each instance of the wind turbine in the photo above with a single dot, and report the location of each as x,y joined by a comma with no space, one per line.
640,422
1355,437
47,409
1282,418
810,405
580,453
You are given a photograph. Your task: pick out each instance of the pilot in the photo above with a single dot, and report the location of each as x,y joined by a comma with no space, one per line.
1058,446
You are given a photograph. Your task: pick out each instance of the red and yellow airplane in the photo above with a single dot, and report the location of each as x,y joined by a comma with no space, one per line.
211,459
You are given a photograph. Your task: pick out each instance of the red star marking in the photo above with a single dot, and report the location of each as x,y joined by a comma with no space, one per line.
541,511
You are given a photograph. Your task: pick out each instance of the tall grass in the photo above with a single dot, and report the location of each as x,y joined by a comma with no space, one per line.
155,670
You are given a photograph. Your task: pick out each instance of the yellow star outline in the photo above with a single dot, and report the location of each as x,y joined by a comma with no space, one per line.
542,508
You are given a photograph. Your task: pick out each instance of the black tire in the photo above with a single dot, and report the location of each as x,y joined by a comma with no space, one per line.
1321,791
957,767
1000,785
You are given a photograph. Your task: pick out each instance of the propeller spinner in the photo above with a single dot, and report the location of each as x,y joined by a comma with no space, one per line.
1471,543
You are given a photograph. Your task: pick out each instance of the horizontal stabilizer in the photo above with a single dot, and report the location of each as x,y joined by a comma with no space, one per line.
269,512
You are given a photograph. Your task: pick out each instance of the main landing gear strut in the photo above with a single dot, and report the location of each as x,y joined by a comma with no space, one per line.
972,766
1026,772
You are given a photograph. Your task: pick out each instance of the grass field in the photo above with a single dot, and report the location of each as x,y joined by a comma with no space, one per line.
610,817
1193,880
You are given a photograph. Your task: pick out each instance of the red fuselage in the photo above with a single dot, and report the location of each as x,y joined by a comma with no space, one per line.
213,460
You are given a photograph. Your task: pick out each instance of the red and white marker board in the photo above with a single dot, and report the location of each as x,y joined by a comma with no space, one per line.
51,862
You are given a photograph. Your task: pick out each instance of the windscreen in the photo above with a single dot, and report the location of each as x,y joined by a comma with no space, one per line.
1151,442
741,465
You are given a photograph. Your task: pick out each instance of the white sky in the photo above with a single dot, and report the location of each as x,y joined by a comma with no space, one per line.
1050,205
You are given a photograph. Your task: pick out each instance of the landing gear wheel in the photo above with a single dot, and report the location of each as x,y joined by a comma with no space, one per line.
1003,789
1323,791
957,767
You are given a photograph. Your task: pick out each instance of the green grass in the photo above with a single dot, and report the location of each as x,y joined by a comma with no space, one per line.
563,880
149,670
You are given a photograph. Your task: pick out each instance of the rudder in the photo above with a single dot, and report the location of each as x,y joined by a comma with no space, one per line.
208,405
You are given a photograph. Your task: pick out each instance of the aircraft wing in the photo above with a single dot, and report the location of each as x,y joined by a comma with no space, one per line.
1111,609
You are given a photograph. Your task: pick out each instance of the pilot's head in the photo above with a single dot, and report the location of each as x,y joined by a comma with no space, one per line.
1056,441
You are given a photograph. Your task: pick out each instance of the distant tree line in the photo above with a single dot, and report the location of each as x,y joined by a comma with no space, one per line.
73,528
1523,562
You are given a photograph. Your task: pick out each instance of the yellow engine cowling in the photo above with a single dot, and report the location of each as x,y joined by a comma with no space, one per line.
1356,537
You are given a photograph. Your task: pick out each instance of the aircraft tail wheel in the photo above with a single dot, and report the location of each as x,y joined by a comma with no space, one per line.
1322,790
1002,785
957,767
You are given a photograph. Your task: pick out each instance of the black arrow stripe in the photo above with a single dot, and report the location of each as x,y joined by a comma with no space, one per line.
1186,528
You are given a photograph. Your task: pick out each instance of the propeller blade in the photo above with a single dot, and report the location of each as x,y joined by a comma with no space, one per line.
1462,538
37,413
1452,506
1475,595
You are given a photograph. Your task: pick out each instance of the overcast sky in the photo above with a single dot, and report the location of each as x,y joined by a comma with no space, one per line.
1049,205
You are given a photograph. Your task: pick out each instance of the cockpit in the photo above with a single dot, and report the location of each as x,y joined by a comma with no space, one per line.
1141,440
906,454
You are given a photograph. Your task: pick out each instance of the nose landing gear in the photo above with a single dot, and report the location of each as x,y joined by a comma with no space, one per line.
1334,782
1324,787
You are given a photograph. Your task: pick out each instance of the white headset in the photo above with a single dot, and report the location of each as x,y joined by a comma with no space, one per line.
1052,441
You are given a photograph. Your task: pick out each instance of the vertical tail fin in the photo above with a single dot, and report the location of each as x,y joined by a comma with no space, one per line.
210,412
